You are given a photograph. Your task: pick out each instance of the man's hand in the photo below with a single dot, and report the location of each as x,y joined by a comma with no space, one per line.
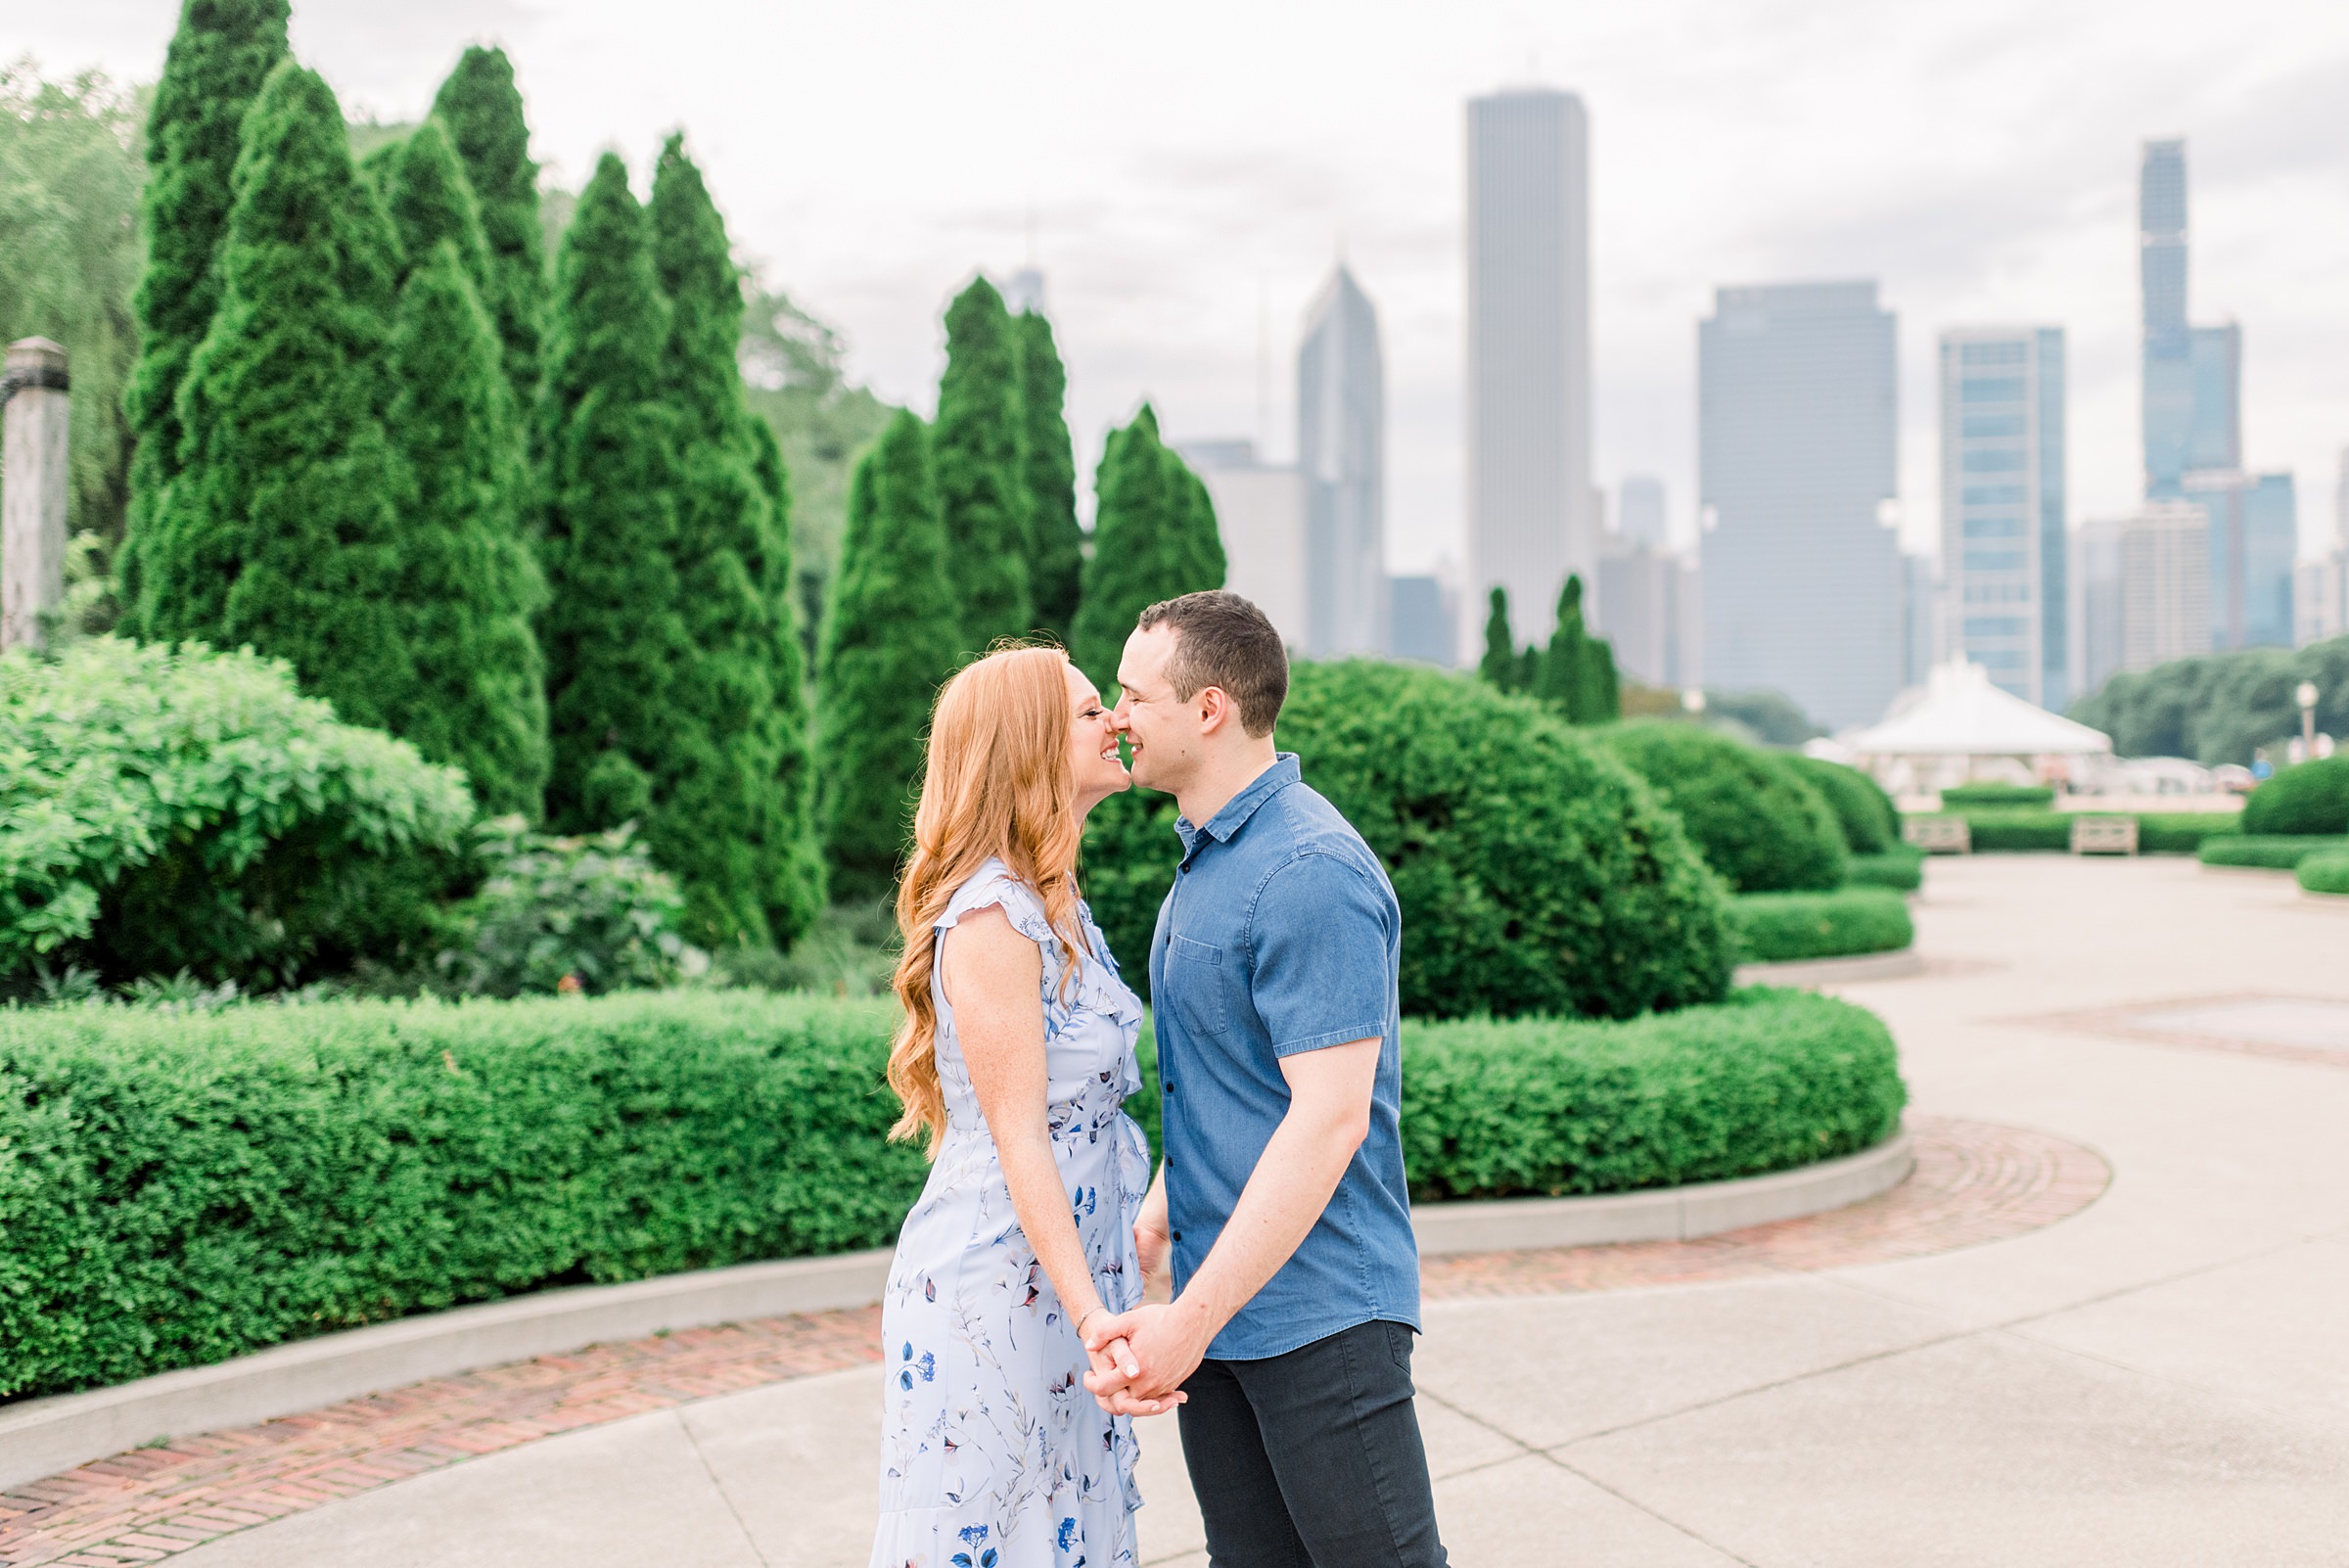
1167,1344
1113,1366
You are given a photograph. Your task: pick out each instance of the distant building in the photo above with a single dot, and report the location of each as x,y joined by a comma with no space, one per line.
1797,444
2254,537
2192,375
2099,650
1635,610
1259,513
1341,453
1423,620
2321,585
1529,500
1921,632
2165,585
2004,548
1640,513
1024,290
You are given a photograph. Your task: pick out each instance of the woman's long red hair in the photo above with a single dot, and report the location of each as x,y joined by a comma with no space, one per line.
995,782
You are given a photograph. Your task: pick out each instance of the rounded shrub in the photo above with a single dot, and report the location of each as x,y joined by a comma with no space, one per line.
1900,868
1536,874
2305,798
1753,816
2326,872
1871,822
2266,852
1781,927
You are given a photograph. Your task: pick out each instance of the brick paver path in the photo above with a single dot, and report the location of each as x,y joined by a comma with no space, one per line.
1974,1183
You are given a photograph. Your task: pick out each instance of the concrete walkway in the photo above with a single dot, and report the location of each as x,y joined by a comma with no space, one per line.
2161,1379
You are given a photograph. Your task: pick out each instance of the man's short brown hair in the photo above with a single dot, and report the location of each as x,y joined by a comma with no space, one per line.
1222,640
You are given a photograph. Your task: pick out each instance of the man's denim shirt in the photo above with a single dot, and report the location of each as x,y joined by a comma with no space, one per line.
1281,935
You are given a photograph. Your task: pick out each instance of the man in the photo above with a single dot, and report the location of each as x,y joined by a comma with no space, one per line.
1273,984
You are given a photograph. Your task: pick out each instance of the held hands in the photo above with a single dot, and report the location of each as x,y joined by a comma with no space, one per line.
1149,1353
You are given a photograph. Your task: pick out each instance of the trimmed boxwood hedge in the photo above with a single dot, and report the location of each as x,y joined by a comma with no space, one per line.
1780,927
2326,872
1871,822
2182,832
2306,798
1996,797
1902,869
1754,817
178,1188
2031,831
2271,852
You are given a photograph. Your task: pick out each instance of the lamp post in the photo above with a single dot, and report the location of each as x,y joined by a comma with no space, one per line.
1692,702
2306,696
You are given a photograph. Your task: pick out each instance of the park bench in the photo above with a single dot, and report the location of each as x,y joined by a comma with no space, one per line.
2103,835
1938,835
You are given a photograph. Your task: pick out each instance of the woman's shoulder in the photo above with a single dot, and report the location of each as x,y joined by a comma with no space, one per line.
996,885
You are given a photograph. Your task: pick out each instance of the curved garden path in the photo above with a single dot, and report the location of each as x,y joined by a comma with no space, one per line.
1946,1374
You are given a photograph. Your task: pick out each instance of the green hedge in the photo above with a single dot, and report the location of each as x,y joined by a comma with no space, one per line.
2182,832
2305,798
2272,852
1903,869
1996,797
1777,927
2327,872
1752,815
2028,831
1871,822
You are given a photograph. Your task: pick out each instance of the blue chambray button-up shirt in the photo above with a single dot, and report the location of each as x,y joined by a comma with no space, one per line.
1281,935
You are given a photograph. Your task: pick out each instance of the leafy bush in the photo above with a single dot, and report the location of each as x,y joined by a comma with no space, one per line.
567,914
1753,816
2326,872
2305,798
1536,874
1871,822
2181,832
1776,927
1989,795
2018,832
166,809
182,1187
2267,852
1902,869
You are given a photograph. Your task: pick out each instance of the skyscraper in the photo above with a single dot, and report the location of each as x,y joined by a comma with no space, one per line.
1640,511
1259,513
2192,375
1530,501
2254,521
1341,452
2004,550
2165,585
1797,455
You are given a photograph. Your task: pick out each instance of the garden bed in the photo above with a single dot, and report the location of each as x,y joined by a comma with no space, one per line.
2268,852
1781,927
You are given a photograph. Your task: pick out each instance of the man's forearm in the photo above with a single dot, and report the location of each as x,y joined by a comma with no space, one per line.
1291,1184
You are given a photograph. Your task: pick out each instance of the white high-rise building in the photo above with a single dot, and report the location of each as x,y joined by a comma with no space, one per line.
2004,550
1259,515
1640,511
2165,585
1531,505
1341,453
2320,583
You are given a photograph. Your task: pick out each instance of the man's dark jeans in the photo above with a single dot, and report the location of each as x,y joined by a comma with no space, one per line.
1313,1460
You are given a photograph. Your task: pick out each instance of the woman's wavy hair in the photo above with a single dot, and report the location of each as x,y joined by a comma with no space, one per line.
995,782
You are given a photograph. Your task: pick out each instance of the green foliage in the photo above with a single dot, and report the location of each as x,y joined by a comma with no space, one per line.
889,639
2269,853
70,177
1534,874
2222,707
2325,873
1154,537
1765,718
284,531
219,57
1576,672
430,204
978,448
1750,814
483,112
2181,832
1777,927
1900,868
567,914
1996,797
162,810
1871,822
1497,667
1056,544
2018,831
181,1188
2310,797
737,751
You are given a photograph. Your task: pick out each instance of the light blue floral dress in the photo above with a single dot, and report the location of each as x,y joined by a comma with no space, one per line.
992,1453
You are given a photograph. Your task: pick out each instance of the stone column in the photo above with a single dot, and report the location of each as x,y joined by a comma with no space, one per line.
34,466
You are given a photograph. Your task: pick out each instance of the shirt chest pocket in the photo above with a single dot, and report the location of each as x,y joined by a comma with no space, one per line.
1196,975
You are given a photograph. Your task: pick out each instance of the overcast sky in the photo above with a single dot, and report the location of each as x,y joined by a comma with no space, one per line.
1185,176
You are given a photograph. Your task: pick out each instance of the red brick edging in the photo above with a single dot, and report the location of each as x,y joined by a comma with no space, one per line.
1974,1183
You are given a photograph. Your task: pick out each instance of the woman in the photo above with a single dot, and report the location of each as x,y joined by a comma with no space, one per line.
1014,1061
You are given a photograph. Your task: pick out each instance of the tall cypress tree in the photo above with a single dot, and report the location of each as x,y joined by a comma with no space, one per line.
614,632
1154,537
1056,544
218,59
741,714
283,529
889,637
483,111
1498,667
469,584
1560,680
981,487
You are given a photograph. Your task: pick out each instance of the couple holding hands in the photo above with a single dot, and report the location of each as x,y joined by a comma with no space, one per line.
1017,1348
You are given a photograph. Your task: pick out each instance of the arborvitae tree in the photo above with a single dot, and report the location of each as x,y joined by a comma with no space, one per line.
469,584
1602,688
1056,544
614,632
483,113
425,188
1154,537
741,723
889,637
284,529
1560,682
218,59
981,487
1498,667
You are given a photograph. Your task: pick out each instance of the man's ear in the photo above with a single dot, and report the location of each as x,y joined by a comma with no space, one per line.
1216,710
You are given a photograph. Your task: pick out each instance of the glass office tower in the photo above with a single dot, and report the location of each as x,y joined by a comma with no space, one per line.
2005,549
1341,452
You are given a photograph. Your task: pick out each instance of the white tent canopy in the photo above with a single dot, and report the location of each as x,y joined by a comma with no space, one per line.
1958,713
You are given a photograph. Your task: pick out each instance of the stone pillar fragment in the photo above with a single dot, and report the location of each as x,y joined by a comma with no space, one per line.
34,466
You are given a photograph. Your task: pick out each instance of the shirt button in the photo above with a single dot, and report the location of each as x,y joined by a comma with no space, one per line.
1186,868
1170,1086
1178,1236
